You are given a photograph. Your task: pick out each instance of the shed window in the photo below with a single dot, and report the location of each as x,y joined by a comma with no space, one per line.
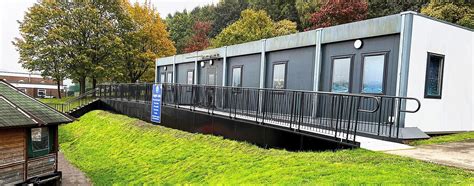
434,76
341,71
190,77
39,139
279,75
169,77
373,74
237,76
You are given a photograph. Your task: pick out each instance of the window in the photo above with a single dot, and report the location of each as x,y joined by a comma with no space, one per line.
434,76
190,77
373,74
279,75
237,76
39,139
211,77
169,78
341,71
41,92
162,78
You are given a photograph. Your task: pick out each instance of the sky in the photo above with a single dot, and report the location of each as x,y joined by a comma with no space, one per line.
13,10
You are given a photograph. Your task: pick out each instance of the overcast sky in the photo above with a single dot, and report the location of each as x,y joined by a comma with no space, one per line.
13,10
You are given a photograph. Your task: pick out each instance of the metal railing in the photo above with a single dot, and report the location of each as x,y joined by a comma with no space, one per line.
77,102
342,116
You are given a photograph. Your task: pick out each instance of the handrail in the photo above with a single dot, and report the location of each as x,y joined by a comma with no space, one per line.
343,113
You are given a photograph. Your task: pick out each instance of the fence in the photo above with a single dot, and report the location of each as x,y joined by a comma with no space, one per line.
342,116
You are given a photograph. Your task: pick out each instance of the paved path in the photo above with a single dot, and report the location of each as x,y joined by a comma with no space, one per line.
456,154
71,174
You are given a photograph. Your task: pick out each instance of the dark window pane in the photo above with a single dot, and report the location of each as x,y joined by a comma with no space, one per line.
236,77
434,75
39,139
372,81
341,75
279,76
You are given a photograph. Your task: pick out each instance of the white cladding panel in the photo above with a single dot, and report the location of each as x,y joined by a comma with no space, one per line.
454,111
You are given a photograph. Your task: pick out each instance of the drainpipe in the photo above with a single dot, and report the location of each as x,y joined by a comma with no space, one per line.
262,64
174,69
224,67
404,58
262,75
195,68
317,59
317,68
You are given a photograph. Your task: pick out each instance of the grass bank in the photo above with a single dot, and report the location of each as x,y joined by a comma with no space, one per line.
112,148
464,136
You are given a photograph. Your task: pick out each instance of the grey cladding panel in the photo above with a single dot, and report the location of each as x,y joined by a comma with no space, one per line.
250,69
216,69
182,72
300,67
388,44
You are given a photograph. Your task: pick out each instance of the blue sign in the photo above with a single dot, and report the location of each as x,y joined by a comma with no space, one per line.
156,103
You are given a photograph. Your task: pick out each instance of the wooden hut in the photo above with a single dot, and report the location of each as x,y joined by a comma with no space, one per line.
28,139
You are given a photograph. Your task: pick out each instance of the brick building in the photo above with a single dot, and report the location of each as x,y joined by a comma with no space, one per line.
33,84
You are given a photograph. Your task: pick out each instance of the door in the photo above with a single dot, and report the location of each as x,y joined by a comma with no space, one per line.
210,89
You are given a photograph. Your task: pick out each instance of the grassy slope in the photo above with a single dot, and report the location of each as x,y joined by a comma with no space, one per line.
112,148
445,139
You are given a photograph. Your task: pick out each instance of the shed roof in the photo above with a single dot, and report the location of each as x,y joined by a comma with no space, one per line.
19,109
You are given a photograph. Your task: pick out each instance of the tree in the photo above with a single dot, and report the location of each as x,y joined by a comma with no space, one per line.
379,8
277,9
200,39
252,25
455,12
180,29
305,9
226,13
39,46
335,12
148,41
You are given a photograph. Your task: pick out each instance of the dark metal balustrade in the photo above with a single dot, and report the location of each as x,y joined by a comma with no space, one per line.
342,116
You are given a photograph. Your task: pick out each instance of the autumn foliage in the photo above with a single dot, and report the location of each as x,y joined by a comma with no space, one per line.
335,12
200,38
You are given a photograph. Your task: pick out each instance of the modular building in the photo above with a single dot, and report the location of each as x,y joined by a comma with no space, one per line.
28,139
404,55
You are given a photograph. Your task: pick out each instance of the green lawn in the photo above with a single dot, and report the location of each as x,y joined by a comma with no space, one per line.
445,139
115,149
56,100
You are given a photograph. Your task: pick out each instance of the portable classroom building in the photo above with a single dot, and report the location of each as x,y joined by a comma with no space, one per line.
28,138
406,54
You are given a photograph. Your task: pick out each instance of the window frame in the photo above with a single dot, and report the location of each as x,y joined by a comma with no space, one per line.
351,69
40,90
162,77
384,76
32,153
285,72
441,77
168,77
187,77
240,77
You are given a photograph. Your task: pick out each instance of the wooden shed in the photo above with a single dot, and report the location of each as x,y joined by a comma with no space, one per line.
28,138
